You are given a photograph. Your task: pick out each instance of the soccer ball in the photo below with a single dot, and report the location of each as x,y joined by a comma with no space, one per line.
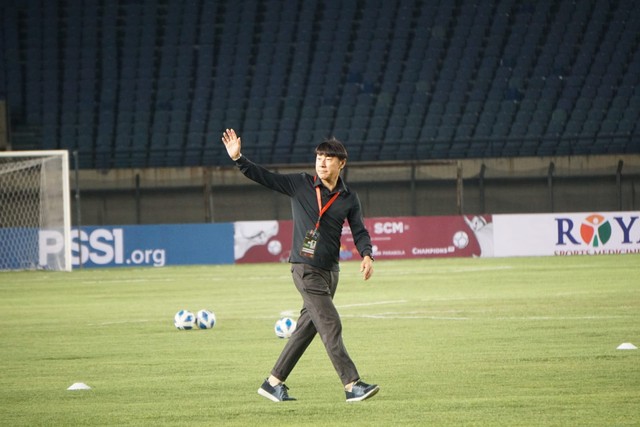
460,239
284,327
184,320
274,247
205,319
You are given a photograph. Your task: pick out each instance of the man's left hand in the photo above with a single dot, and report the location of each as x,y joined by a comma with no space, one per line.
366,267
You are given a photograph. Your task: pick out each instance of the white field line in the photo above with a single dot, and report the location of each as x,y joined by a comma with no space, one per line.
367,304
418,315
94,282
289,313
118,323
410,315
293,313
476,269
529,318
444,270
401,316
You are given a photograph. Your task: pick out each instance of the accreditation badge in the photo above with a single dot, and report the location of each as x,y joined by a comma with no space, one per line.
309,244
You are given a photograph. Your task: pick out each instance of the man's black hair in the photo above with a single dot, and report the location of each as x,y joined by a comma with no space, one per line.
332,147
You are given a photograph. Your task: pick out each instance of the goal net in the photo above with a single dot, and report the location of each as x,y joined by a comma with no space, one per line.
35,218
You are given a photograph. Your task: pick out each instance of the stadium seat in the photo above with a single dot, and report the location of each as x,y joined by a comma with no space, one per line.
504,70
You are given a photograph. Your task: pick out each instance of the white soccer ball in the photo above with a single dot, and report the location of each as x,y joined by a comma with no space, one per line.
284,327
205,319
460,239
274,247
184,320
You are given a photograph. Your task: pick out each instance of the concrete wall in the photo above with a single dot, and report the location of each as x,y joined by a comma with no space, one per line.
223,194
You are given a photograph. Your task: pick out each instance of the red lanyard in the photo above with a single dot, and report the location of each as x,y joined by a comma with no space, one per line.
321,209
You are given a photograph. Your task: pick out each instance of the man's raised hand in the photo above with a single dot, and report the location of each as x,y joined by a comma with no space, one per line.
232,143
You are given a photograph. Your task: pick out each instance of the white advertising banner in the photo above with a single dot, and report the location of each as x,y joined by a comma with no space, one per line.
563,234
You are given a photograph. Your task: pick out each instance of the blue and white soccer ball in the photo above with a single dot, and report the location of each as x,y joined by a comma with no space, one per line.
205,319
284,327
184,320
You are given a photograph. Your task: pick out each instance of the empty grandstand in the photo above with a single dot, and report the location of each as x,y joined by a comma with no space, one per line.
134,83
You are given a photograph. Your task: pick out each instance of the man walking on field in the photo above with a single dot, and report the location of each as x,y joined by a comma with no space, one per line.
320,205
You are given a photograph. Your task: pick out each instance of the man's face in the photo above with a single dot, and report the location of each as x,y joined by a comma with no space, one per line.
328,167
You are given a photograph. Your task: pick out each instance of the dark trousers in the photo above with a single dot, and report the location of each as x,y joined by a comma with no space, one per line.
318,315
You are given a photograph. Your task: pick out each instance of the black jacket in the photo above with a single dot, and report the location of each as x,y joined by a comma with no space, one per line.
304,205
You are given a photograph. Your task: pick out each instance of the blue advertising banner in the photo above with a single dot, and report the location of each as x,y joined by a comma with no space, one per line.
146,245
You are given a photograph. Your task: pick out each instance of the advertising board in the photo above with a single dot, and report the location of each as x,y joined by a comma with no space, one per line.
144,245
391,238
566,234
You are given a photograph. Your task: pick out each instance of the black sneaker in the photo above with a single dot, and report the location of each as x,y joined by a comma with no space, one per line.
278,393
362,391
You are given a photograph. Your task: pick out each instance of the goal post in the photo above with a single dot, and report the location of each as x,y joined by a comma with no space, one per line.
35,210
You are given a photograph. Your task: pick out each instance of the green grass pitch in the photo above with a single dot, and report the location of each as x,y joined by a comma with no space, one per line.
505,342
